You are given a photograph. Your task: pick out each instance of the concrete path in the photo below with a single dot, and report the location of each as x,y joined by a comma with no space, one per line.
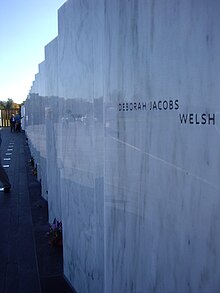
27,263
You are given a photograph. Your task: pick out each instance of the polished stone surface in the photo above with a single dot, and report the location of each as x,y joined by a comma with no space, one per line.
123,122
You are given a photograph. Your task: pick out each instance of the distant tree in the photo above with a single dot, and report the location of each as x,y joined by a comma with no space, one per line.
16,106
2,105
9,104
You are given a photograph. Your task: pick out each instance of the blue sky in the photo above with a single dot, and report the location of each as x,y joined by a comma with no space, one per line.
26,26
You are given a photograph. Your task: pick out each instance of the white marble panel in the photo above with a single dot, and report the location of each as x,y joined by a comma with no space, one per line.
42,79
52,137
81,85
35,125
51,68
161,175
128,149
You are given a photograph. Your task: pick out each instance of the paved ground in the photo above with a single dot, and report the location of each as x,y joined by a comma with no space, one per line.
28,264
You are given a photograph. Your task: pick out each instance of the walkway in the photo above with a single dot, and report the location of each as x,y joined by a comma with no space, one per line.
27,263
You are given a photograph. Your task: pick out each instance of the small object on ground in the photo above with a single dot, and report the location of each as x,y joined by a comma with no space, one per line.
7,189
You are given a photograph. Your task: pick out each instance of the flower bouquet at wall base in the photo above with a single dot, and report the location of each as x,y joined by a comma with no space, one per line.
34,168
55,233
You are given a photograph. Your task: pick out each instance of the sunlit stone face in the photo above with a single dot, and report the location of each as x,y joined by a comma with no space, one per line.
123,121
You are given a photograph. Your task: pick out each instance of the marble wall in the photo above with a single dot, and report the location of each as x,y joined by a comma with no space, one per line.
122,119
